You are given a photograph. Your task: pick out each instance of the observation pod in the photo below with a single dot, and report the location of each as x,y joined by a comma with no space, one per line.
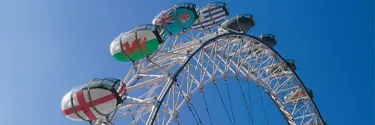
176,19
291,64
280,69
277,69
211,14
296,97
319,123
241,23
96,99
268,39
311,93
136,44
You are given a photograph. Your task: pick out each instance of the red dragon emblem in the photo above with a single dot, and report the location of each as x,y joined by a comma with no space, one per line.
136,46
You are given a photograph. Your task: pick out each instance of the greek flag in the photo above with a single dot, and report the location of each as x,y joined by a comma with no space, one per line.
209,15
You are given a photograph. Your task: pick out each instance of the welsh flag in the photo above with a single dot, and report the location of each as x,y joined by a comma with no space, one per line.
146,42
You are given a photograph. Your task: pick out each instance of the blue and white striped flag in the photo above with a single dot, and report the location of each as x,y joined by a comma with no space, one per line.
209,15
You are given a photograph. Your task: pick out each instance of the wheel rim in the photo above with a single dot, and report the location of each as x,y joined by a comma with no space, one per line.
157,72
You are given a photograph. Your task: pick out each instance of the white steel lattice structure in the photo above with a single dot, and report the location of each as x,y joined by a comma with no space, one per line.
161,84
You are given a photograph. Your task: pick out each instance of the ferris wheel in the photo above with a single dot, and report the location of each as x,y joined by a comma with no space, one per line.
174,59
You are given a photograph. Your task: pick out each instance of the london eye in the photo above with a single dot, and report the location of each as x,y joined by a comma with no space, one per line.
185,53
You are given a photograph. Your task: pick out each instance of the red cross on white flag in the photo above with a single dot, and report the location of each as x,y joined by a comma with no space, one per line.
85,106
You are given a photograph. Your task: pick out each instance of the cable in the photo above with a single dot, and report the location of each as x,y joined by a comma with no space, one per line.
189,107
251,111
205,102
264,109
230,102
247,107
196,113
132,115
223,104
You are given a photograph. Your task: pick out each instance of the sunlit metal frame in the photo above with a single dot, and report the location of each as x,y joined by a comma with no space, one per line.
208,50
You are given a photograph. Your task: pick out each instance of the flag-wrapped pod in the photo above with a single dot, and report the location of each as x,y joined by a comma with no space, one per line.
137,43
211,14
176,19
96,99
297,97
240,23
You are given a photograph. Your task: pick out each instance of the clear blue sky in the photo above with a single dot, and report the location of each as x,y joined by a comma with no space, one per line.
49,46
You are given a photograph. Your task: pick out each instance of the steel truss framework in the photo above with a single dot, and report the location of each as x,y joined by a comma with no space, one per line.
161,84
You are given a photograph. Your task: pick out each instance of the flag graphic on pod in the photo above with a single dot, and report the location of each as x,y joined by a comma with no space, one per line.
296,97
210,14
80,109
175,20
132,49
96,99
